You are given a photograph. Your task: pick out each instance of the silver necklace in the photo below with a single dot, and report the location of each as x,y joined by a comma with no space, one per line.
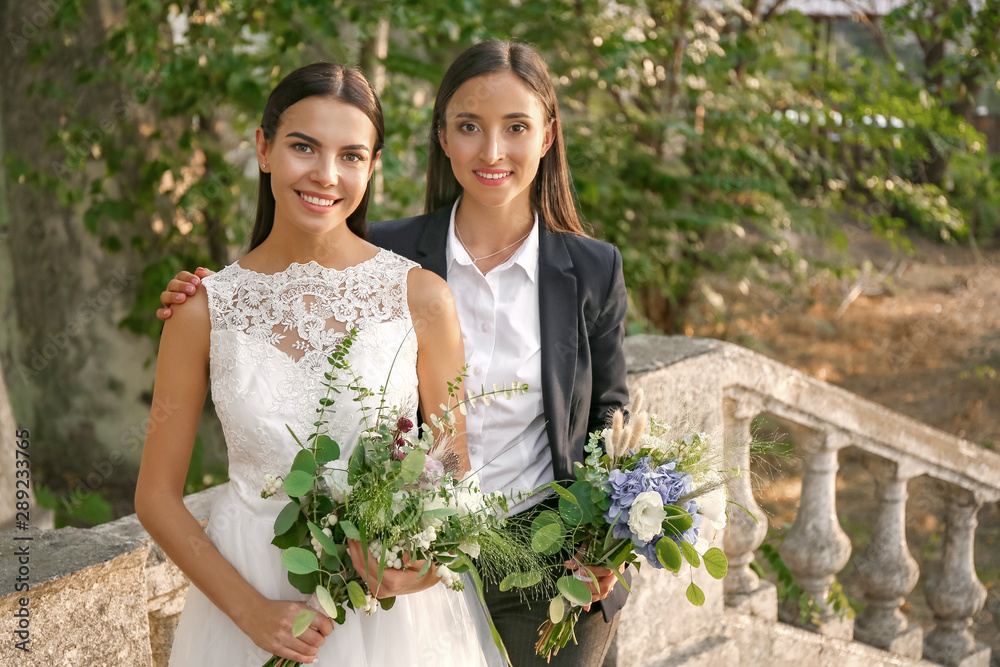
478,259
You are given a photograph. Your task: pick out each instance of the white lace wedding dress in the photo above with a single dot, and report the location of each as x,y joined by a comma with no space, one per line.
271,335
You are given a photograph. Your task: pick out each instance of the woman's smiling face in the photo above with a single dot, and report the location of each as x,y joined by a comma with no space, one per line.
495,134
320,161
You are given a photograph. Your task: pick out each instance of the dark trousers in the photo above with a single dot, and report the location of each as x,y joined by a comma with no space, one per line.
518,622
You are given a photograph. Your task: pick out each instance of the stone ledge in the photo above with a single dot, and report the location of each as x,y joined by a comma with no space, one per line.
58,553
782,645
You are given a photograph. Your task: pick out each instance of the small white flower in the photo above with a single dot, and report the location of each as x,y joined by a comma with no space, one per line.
646,515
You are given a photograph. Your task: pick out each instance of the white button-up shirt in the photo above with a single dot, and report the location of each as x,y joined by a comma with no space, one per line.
501,331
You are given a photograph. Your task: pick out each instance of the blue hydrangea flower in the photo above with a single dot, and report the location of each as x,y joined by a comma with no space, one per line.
690,536
623,487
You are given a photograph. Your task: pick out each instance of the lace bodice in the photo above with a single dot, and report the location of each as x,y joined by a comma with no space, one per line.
271,335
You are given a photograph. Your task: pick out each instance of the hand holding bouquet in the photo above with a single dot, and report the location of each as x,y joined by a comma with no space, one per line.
639,493
393,518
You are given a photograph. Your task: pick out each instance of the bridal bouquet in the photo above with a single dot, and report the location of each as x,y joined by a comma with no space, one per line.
640,493
398,494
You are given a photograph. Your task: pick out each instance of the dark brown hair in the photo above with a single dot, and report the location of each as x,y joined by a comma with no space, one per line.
551,192
332,81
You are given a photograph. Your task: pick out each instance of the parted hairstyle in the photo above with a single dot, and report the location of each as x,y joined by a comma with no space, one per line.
332,81
551,192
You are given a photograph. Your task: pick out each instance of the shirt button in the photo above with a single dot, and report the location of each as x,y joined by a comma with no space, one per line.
477,370
485,327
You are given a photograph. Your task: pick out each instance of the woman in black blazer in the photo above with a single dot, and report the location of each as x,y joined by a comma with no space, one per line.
496,149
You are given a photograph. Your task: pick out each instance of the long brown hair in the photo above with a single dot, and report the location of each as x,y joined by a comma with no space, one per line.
333,81
551,192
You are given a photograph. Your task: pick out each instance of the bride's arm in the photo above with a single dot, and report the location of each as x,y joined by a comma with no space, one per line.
440,351
179,392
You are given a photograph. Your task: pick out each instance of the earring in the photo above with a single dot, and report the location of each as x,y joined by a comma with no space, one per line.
263,166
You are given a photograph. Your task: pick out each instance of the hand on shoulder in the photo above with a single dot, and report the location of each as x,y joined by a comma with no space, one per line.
183,285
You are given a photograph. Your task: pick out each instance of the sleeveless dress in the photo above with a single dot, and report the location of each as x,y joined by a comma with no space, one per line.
271,335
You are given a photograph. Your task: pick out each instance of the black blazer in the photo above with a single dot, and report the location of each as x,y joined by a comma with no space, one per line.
582,302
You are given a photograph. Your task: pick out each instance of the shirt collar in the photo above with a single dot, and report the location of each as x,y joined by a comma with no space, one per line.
526,256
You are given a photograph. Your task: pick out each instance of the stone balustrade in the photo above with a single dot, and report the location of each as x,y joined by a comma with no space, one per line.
721,387
108,596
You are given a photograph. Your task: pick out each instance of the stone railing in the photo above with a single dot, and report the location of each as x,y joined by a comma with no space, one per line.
108,596
722,388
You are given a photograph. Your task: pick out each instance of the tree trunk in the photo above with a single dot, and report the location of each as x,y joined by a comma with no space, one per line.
75,379
373,54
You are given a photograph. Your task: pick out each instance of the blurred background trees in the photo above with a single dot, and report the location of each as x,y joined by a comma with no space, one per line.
721,138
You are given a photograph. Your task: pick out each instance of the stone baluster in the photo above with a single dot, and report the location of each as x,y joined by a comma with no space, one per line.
816,548
887,571
747,527
955,594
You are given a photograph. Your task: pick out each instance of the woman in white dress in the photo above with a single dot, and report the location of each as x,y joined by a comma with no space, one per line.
259,335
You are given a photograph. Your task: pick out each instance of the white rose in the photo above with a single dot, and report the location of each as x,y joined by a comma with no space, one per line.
469,547
468,498
646,515
712,506
336,481
435,503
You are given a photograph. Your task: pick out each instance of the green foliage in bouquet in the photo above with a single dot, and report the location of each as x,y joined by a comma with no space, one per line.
400,494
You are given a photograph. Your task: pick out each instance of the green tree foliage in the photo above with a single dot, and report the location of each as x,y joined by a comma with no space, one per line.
702,137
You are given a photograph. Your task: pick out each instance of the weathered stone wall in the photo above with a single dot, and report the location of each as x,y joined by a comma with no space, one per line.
106,596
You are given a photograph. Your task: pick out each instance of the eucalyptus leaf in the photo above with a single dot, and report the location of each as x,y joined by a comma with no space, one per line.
678,520
695,595
563,492
350,531
305,462
669,554
297,483
548,539
548,533
690,554
412,466
321,537
302,621
520,580
557,609
327,450
716,563
326,601
299,561
574,590
286,518
357,595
